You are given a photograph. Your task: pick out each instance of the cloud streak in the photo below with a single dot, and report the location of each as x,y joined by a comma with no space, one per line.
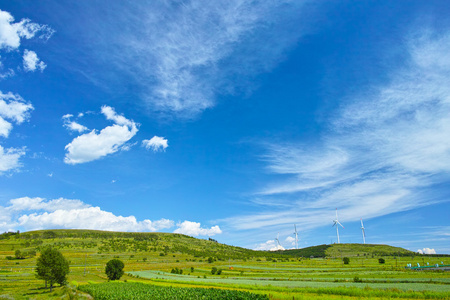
182,56
380,154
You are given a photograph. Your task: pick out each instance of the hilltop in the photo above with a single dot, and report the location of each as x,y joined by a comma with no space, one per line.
349,250
108,242
162,244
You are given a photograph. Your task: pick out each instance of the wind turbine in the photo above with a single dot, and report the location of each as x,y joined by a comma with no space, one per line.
296,237
363,231
278,241
336,222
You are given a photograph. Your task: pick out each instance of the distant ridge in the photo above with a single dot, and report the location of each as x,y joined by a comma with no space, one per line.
349,250
164,243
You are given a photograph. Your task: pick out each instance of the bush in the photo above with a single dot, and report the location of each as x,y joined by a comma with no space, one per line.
357,279
219,272
381,260
210,260
114,269
213,270
346,260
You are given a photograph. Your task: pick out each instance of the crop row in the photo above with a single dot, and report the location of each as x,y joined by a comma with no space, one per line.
135,290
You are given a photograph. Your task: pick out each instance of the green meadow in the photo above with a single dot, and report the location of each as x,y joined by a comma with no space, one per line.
160,265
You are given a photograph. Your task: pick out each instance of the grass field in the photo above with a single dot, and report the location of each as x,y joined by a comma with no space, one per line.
149,258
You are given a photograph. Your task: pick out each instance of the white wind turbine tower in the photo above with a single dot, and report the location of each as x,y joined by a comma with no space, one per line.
296,236
363,231
278,242
336,222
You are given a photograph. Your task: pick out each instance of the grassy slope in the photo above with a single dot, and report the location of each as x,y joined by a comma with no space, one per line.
89,250
349,250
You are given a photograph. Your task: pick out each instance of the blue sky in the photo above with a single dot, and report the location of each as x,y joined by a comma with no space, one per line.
234,120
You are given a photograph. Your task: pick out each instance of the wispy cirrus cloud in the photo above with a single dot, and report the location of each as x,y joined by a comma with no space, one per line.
181,56
382,151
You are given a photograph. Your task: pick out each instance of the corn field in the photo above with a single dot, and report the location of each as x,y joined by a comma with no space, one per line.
137,291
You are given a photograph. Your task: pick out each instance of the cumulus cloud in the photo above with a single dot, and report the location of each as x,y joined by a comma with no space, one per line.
156,143
94,145
38,213
270,245
9,159
11,33
426,251
290,240
31,62
13,109
194,229
73,125
384,148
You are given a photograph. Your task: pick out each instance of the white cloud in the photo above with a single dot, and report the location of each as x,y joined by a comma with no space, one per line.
74,126
31,61
11,33
290,240
111,114
14,108
194,229
426,251
94,145
379,156
182,56
9,159
270,245
70,214
5,127
156,143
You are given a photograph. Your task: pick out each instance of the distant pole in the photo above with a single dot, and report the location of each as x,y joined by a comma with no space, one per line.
84,273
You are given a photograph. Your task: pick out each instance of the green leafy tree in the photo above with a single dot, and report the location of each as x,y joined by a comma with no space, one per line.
381,260
213,270
114,269
346,260
52,267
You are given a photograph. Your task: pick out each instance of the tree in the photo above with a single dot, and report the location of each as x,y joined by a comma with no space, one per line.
346,260
52,267
381,260
114,269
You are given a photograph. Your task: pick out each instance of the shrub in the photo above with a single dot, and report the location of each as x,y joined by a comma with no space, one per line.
381,260
213,270
346,260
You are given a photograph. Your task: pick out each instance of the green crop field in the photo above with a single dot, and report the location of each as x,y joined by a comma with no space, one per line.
150,258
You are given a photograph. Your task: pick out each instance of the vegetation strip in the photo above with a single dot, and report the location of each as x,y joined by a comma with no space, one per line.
138,291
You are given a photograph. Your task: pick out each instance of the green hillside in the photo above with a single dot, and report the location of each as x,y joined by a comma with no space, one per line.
107,242
348,250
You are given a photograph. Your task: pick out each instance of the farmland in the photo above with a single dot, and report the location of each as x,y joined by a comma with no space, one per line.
151,259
